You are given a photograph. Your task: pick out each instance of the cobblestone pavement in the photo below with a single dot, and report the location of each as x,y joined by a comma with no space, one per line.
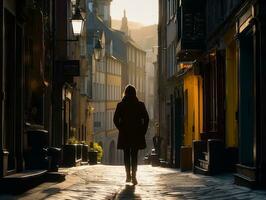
155,183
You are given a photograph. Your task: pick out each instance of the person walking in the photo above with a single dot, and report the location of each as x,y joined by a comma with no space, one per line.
131,119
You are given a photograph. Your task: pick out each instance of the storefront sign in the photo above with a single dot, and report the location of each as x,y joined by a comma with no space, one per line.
71,68
244,20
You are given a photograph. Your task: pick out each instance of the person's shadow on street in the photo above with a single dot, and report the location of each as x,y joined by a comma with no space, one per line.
128,193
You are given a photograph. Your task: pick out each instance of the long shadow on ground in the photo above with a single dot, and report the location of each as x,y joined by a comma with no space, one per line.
128,193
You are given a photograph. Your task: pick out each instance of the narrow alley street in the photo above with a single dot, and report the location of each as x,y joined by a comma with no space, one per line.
180,84
156,183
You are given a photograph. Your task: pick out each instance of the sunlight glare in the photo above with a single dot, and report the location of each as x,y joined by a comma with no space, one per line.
142,11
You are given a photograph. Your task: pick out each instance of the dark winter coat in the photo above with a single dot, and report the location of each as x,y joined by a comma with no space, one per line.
131,119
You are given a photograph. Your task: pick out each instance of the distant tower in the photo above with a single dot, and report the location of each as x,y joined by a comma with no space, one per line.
102,10
124,26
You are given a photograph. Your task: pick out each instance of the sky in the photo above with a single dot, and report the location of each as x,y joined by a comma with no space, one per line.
141,11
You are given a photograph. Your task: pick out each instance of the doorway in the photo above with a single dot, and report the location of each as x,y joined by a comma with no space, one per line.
10,88
179,121
246,100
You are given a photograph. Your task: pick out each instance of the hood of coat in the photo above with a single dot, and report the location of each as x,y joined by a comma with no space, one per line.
130,99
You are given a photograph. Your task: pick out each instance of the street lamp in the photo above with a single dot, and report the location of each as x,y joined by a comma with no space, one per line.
98,50
73,2
77,22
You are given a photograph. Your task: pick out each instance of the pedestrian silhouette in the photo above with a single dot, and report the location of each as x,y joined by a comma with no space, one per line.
131,119
157,144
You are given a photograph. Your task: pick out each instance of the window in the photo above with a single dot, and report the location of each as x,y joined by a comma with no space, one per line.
111,48
106,13
116,96
102,91
137,59
113,92
133,55
130,54
108,92
168,10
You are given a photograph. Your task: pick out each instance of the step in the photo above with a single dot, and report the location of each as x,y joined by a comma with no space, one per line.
23,181
26,175
84,163
246,171
204,164
199,170
55,176
244,181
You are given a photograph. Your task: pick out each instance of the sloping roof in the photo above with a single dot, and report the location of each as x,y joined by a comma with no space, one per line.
133,43
118,38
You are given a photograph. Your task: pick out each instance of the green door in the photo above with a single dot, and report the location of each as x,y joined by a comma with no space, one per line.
246,100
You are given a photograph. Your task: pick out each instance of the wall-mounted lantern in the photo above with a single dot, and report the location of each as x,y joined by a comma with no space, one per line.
73,2
98,50
77,22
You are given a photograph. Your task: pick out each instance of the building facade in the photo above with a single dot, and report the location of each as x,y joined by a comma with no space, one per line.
25,77
36,80
81,106
135,74
167,31
151,96
219,79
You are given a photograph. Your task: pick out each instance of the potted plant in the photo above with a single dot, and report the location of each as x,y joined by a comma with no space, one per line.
99,150
95,153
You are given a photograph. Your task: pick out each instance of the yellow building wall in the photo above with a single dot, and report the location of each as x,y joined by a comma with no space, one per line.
231,126
111,105
113,80
231,96
193,119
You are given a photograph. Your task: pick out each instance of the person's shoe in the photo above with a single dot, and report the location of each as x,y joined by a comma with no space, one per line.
134,180
128,179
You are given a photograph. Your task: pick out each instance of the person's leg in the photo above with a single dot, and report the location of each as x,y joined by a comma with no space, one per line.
134,163
127,164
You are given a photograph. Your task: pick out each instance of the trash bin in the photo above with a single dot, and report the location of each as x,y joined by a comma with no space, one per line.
70,155
92,157
146,159
154,158
85,149
35,154
55,155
